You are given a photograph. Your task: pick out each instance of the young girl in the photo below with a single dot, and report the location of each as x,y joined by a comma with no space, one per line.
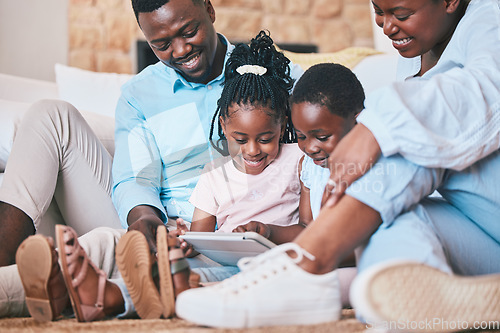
259,180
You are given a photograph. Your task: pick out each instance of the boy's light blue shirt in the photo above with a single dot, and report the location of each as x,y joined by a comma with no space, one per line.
161,136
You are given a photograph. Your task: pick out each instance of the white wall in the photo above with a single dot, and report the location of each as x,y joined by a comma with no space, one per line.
33,37
381,42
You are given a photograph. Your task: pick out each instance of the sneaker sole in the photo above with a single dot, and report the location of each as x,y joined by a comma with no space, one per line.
34,263
418,298
134,262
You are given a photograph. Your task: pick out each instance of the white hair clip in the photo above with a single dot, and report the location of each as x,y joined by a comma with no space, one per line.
251,69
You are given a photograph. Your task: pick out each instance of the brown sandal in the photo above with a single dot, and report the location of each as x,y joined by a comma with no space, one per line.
37,264
70,253
135,263
171,261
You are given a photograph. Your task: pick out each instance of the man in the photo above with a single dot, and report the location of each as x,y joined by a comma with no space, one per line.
162,125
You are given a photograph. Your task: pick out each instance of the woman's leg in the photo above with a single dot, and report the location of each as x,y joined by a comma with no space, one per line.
55,154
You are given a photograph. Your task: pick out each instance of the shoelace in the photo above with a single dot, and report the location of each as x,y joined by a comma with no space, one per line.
255,269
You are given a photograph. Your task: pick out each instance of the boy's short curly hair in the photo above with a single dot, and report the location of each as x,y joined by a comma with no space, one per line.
332,85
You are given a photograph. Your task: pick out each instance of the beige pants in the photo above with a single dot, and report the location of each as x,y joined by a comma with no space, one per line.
59,170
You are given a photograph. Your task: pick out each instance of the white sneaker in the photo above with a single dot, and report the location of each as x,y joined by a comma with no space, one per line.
409,296
270,290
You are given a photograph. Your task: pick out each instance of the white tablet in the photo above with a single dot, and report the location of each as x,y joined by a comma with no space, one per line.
227,248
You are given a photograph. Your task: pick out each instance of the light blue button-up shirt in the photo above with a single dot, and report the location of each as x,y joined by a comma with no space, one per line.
449,117
162,130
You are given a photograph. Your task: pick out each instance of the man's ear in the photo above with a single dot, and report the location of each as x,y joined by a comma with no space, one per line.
210,10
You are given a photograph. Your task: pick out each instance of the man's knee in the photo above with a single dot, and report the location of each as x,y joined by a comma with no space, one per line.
50,109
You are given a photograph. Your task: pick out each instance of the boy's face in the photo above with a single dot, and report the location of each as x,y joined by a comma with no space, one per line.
253,137
318,130
414,26
182,36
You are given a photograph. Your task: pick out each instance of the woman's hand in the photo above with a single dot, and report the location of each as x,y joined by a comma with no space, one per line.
355,154
255,226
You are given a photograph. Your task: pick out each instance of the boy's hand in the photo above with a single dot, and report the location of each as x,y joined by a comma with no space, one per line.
258,227
355,154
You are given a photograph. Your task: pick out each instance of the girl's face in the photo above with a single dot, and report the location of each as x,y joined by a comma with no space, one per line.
253,137
318,130
416,26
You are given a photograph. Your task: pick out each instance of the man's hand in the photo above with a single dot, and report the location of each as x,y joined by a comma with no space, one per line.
145,219
355,154
258,227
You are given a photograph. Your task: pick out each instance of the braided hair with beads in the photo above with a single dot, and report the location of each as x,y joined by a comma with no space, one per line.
256,74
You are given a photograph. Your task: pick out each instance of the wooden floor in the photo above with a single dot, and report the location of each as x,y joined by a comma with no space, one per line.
348,324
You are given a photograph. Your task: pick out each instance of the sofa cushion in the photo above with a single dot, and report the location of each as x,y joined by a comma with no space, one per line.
348,57
21,89
90,91
11,113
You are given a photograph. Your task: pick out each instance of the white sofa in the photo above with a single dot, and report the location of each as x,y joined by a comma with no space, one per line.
95,95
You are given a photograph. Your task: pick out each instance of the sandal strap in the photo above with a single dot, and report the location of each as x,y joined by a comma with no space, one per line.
178,266
100,289
73,252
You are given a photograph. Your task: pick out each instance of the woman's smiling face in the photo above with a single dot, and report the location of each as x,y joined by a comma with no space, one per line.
414,26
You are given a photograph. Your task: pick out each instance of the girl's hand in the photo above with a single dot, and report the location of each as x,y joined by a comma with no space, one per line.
355,154
185,246
255,226
181,228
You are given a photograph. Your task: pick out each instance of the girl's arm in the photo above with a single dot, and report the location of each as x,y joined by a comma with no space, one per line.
203,221
284,234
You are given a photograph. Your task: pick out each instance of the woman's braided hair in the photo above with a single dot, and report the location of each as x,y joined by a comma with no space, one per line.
271,89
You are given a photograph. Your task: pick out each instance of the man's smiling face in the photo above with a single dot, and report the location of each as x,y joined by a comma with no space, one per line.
182,36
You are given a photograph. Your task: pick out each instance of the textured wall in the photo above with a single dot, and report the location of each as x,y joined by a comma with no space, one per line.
102,32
